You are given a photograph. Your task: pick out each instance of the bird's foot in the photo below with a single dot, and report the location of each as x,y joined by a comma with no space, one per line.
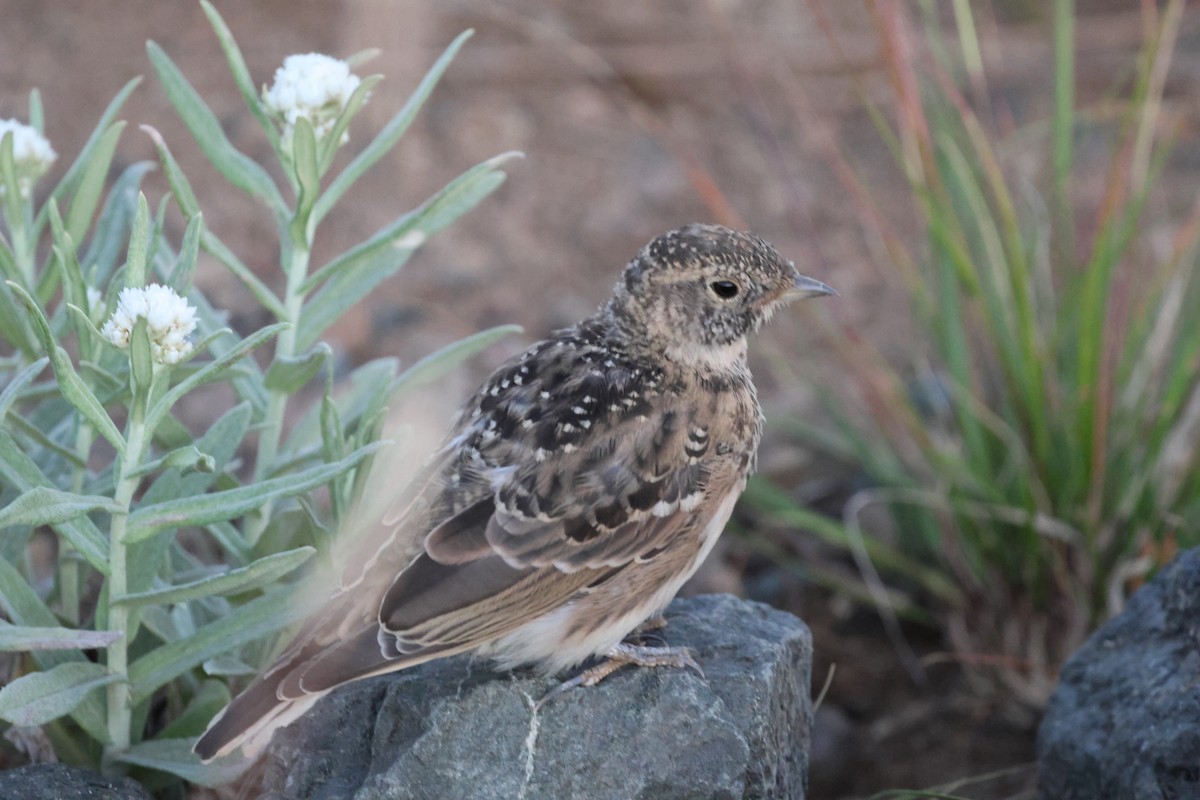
621,655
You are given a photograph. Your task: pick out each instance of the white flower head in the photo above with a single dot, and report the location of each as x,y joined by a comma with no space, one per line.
32,154
169,320
313,86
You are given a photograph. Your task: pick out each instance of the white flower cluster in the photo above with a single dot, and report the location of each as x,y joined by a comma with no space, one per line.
32,154
313,86
169,320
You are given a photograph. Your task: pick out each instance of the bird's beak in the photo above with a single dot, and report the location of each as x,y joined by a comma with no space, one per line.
804,287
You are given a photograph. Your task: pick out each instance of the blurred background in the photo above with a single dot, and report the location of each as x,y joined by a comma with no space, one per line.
637,118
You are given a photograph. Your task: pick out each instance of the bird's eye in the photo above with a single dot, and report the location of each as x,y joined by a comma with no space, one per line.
726,290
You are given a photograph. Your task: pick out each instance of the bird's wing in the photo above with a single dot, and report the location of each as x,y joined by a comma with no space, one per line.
492,567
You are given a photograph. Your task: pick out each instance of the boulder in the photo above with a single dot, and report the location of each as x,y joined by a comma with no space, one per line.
454,728
60,782
1125,719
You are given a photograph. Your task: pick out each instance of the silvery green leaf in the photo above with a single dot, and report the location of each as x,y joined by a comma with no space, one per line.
227,665
262,572
241,74
185,198
209,699
141,362
224,436
181,187
354,60
366,382
91,182
210,371
40,697
13,209
37,114
74,287
411,230
239,169
333,140
8,264
230,504
73,174
13,327
257,618
333,445
18,382
73,388
176,757
291,527
262,293
333,437
353,275
139,245
438,363
45,441
308,175
183,620
19,471
20,602
290,374
43,505
111,232
185,265
20,639
233,544
386,139
157,621
22,605
186,459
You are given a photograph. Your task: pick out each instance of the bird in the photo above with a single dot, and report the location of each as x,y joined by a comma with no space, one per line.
576,491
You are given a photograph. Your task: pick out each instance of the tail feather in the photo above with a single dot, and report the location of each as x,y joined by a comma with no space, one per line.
241,722
290,688
262,707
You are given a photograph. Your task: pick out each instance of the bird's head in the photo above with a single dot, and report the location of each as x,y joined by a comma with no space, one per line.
699,290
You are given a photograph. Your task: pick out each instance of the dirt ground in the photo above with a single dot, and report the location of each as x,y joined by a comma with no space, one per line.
634,118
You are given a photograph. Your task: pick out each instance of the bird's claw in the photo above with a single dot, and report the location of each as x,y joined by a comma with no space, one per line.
621,655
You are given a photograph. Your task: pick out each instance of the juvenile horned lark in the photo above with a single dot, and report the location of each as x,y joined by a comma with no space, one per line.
575,493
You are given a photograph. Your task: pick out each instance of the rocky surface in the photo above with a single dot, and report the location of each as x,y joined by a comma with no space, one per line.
60,782
457,729
1125,720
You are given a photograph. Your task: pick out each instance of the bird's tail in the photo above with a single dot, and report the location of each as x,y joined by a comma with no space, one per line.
250,720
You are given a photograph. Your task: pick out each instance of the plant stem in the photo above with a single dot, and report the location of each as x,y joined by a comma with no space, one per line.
285,346
119,710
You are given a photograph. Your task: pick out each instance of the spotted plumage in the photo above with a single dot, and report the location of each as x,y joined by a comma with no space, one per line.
578,489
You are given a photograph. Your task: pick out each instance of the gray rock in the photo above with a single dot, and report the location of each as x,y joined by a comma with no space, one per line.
60,782
454,728
1125,719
